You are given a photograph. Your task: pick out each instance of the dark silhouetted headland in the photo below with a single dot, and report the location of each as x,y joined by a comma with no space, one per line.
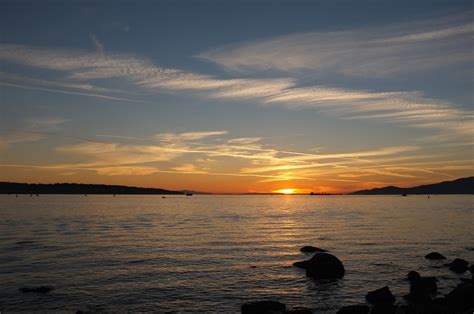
459,186
77,188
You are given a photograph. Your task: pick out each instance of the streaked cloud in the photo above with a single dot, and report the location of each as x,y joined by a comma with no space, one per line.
30,130
407,108
126,171
245,140
189,168
107,154
379,50
68,92
193,153
270,163
187,136
98,44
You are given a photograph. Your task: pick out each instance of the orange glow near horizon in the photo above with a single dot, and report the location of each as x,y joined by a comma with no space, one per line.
286,191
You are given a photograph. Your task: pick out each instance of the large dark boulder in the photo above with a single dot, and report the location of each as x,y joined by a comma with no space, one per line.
434,255
354,309
382,295
423,289
438,306
458,265
384,308
413,275
40,289
263,307
324,266
461,298
312,249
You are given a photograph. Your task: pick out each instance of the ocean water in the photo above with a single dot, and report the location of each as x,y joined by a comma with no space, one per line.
213,253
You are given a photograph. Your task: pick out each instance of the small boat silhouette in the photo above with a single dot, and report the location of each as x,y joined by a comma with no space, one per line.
189,194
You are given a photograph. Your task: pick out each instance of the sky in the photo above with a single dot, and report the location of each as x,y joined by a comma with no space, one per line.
237,96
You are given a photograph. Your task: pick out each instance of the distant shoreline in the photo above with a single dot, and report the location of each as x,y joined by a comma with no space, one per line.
458,186
78,188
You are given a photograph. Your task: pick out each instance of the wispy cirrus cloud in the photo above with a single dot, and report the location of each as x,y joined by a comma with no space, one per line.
126,171
188,136
68,92
244,140
380,50
61,87
260,159
30,130
189,168
107,154
98,44
407,108
199,154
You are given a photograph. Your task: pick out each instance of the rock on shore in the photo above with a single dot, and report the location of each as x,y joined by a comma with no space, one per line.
435,256
324,266
312,249
263,307
354,309
458,265
382,295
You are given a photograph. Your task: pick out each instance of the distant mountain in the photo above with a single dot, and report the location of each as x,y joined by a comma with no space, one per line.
77,188
459,186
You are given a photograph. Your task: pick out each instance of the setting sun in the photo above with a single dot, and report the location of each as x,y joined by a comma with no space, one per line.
286,191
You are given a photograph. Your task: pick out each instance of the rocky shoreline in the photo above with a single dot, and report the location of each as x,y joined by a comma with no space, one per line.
421,297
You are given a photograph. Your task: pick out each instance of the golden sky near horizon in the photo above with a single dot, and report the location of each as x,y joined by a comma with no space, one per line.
308,98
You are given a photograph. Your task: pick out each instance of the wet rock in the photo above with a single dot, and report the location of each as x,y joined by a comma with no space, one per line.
354,309
422,290
458,265
40,289
301,264
312,249
403,309
471,269
434,255
438,306
413,275
324,266
299,310
384,308
263,307
382,295
461,298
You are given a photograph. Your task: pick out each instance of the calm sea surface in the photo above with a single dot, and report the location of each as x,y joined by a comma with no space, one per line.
191,254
